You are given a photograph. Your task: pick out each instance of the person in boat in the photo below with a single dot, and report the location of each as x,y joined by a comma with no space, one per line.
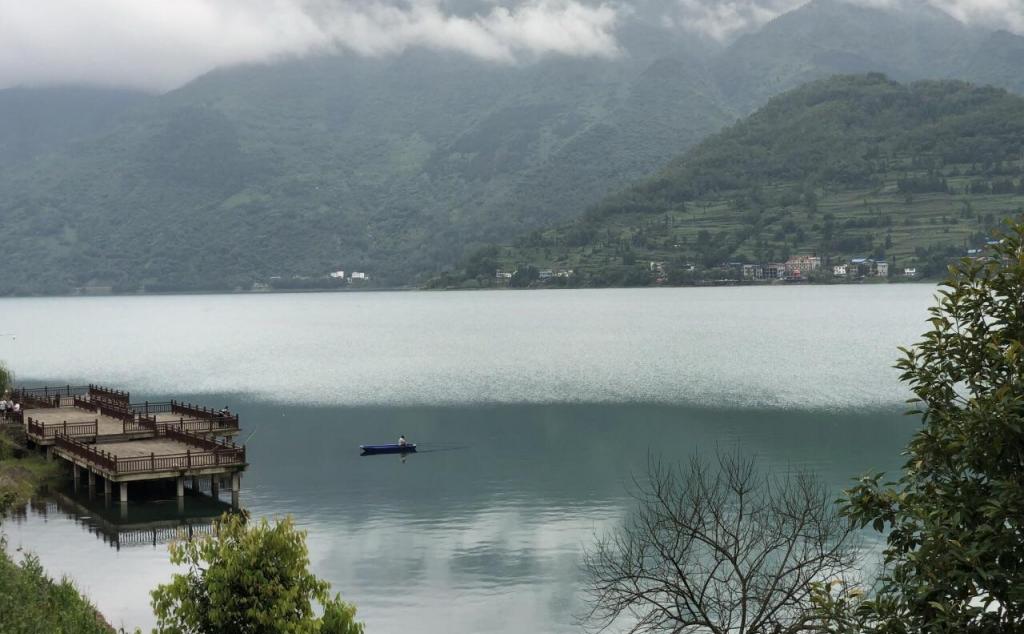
402,441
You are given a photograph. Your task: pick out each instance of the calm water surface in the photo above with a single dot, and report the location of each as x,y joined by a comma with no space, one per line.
532,411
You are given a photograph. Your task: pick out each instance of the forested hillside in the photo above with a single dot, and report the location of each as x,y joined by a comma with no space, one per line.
852,166
400,166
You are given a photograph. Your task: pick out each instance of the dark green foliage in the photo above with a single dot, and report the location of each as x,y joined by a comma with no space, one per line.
398,166
34,121
248,579
31,602
393,167
851,166
953,521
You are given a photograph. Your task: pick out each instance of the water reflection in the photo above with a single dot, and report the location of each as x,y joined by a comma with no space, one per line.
493,521
151,523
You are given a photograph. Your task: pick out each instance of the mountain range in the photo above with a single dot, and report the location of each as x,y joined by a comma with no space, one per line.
850,167
401,166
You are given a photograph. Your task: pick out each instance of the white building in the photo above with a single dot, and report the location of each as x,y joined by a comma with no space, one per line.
839,270
357,275
338,275
882,269
909,272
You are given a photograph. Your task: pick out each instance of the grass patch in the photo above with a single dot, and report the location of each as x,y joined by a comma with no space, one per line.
22,472
31,602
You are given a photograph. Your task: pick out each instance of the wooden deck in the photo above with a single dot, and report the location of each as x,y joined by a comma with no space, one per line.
43,425
97,430
177,454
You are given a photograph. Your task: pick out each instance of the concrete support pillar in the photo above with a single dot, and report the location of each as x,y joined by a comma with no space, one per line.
76,474
236,488
124,492
215,486
181,486
90,479
49,452
106,487
181,504
195,484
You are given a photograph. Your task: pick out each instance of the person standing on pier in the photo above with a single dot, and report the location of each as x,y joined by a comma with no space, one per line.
401,441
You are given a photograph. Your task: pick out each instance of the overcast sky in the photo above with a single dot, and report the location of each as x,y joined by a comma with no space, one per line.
161,44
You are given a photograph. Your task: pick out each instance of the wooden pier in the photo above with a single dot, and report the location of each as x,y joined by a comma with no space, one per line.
100,433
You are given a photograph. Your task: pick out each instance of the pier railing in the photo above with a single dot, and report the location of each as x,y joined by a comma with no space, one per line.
36,401
48,392
187,412
73,429
208,454
103,393
197,425
113,409
203,442
184,410
86,452
157,407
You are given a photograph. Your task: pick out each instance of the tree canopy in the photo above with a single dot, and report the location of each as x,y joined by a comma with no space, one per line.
248,579
954,520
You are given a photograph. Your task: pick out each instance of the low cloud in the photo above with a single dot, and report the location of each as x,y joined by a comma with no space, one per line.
724,20
161,44
996,14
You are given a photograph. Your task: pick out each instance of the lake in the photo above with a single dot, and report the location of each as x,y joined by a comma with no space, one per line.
533,410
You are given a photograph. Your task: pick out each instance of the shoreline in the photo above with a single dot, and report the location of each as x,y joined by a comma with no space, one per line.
409,289
27,593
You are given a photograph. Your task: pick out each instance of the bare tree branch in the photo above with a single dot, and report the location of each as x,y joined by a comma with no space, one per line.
718,546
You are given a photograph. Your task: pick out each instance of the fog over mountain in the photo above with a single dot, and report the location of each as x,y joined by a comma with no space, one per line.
392,139
162,44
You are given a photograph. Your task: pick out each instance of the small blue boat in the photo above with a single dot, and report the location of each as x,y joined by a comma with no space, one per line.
395,448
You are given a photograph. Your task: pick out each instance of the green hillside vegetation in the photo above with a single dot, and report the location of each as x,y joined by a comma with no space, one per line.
386,166
401,166
852,166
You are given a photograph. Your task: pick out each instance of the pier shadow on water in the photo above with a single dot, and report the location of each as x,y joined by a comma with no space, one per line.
156,521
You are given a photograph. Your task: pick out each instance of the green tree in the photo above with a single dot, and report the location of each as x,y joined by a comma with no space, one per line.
954,555
248,578
6,378
31,602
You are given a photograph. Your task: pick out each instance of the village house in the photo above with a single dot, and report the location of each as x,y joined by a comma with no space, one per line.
338,275
771,271
840,270
802,265
910,272
357,275
775,271
882,269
